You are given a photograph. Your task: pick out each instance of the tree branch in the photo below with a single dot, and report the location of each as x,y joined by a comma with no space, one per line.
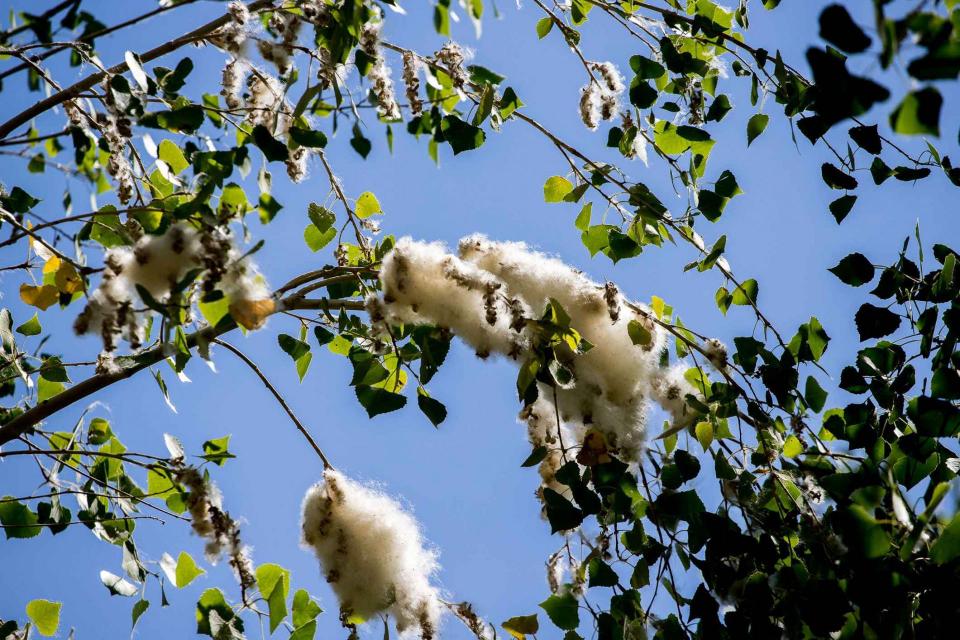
90,81
276,394
32,416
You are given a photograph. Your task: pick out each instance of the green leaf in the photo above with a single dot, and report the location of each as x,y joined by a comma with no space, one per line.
18,201
544,25
875,322
377,401
947,546
755,126
746,293
305,632
792,447
272,148
293,347
46,389
139,608
187,570
556,188
433,409
600,574
171,154
704,433
461,135
918,113
18,520
865,535
837,179
367,205
639,334
321,217
31,327
520,626
317,239
45,616
814,394
308,137
269,575
839,29
855,270
304,608
563,611
216,450
646,68
485,107
842,206
213,600
509,103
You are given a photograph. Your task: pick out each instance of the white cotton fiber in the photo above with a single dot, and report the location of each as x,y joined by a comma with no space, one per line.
423,283
372,554
613,377
493,293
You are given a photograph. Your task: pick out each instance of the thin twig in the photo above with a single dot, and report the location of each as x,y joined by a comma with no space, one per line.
276,394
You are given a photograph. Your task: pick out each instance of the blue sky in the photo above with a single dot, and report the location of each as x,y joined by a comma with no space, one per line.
464,481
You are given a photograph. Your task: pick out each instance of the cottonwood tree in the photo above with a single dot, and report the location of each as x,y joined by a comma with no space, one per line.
829,519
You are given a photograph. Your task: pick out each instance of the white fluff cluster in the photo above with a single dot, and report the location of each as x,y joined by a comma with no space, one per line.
423,284
545,430
266,105
613,378
379,73
411,82
670,392
601,99
231,84
157,263
209,521
452,57
373,555
716,353
287,26
490,294
590,105
232,36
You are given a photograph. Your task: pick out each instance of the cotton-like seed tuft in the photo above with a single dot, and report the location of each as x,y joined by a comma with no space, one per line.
423,284
590,106
671,390
491,294
452,56
411,82
716,353
372,554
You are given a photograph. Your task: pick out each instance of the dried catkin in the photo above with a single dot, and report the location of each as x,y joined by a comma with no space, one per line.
158,263
590,106
411,82
452,57
372,554
379,72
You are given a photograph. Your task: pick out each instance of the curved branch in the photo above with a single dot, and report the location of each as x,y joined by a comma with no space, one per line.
90,81
32,416
276,394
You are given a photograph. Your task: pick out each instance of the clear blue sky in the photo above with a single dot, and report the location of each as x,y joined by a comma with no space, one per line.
464,480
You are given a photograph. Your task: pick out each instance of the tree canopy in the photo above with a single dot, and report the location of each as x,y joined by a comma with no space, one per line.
717,478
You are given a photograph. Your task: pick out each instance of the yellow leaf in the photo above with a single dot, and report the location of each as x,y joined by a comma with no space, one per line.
704,431
39,297
252,314
51,265
67,278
